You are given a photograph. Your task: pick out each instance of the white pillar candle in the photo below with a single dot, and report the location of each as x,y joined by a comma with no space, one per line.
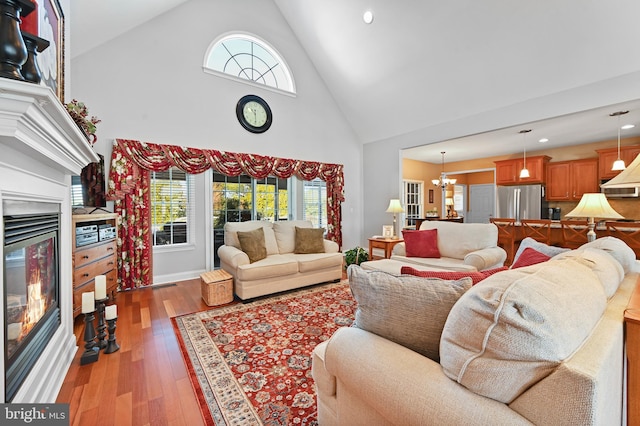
111,312
101,287
88,302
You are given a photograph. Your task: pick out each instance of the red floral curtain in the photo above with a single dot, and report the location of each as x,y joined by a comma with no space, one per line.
129,181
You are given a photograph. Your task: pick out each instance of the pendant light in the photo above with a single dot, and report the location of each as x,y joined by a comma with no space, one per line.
443,181
524,173
619,163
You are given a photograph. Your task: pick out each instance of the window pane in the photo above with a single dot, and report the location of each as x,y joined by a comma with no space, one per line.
170,206
315,202
249,58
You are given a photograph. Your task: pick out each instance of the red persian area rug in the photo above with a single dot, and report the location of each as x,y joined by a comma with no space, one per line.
250,364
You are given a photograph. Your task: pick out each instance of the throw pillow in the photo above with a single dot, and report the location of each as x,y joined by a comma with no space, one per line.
529,257
476,276
513,329
408,310
309,240
538,246
252,243
422,243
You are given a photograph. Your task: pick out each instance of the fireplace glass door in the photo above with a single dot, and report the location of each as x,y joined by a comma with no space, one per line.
31,287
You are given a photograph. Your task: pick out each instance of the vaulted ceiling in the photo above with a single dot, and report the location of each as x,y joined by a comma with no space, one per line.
422,64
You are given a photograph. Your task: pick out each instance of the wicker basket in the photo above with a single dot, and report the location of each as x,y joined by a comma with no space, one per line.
217,287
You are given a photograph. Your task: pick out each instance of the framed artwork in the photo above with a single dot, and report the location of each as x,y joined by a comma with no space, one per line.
387,231
51,60
431,196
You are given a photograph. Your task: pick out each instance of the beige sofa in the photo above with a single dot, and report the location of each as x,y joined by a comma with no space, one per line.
462,246
282,269
538,345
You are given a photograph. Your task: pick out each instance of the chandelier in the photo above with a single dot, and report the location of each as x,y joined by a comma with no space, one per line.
443,181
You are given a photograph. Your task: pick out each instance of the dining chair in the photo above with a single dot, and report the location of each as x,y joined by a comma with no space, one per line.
574,233
538,229
506,236
629,232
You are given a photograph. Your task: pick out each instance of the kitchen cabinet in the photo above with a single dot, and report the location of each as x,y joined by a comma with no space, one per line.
94,253
508,171
609,155
568,180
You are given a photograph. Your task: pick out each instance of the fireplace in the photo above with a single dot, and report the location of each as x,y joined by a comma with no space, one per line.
41,149
31,278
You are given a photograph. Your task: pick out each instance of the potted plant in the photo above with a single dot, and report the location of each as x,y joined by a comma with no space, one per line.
80,114
356,256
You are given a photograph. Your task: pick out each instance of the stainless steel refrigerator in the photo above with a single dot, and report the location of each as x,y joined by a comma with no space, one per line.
521,202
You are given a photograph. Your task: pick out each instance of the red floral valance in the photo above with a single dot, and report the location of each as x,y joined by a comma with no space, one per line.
126,187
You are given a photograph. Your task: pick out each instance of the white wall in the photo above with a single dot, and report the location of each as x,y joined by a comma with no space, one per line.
148,85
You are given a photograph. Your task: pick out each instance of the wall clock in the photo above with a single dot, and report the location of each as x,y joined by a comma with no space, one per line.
254,114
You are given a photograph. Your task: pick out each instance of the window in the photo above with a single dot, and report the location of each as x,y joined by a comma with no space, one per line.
249,59
413,203
315,203
171,206
242,198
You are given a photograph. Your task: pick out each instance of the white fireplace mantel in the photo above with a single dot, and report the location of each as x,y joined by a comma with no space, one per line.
40,148
33,115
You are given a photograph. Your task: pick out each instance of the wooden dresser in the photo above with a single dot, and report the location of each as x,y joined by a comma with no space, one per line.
91,258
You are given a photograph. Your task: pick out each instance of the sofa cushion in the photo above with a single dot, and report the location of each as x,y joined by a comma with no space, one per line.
407,310
528,257
231,234
309,240
476,276
252,243
421,243
456,240
274,266
605,266
516,327
285,234
538,246
317,261
616,248
448,263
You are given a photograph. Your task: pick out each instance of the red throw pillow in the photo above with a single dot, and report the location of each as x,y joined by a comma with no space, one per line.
489,272
529,257
476,277
422,243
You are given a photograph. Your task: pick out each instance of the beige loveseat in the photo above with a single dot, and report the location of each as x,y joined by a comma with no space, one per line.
282,269
462,246
537,345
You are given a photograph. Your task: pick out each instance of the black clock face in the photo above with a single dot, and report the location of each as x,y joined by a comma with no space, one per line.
254,114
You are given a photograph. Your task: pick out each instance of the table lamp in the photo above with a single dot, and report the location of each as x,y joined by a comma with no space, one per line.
394,207
594,205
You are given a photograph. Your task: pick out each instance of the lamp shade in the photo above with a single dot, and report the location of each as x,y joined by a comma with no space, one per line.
628,178
395,206
594,205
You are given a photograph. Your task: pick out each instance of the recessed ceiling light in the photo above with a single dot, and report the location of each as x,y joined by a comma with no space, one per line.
543,140
367,17
628,126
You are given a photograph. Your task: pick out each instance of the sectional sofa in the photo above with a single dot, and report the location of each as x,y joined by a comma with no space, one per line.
542,344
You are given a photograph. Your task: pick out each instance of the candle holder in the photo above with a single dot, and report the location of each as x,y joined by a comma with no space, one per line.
102,334
91,351
112,345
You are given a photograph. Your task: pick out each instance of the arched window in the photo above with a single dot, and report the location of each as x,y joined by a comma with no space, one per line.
246,57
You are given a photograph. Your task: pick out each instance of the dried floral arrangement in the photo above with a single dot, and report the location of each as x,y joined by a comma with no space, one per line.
80,114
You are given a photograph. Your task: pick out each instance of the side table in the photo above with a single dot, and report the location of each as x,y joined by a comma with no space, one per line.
383,243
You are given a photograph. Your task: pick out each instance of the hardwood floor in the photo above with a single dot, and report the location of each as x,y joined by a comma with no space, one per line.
145,382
